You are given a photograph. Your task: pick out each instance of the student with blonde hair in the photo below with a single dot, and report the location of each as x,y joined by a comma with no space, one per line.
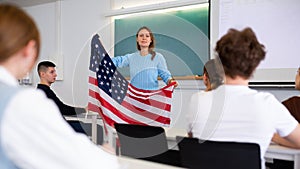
33,133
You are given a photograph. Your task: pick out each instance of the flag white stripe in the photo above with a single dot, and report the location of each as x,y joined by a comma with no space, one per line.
92,74
159,98
111,115
94,88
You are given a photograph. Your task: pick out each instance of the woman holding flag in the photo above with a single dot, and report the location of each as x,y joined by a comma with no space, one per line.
145,64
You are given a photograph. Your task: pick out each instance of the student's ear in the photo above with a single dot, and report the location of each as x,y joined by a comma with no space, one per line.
29,55
30,49
42,74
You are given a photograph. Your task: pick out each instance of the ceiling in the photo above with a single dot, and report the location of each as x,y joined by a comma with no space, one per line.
25,3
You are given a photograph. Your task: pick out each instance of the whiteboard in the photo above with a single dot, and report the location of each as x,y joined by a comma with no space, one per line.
277,26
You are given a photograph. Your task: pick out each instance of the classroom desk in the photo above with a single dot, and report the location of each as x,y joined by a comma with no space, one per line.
171,134
92,118
284,153
274,151
131,163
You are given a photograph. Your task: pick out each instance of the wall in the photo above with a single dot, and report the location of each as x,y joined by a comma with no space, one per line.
80,20
276,17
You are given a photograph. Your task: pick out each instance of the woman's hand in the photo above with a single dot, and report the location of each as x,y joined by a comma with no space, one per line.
171,81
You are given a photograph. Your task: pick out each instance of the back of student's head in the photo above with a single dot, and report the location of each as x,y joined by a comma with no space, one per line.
16,30
214,72
240,52
44,65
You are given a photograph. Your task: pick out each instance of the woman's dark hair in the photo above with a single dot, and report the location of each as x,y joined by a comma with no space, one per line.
214,72
16,30
240,52
152,44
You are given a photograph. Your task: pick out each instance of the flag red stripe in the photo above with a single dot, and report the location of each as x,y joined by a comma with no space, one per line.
145,113
93,81
97,109
151,102
110,107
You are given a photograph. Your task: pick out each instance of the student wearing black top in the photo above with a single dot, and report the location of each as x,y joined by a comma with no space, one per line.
47,74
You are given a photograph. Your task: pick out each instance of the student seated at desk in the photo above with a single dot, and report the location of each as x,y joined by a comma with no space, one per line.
293,105
233,111
213,77
47,74
33,133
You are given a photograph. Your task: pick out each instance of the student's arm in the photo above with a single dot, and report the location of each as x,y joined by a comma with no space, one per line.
163,71
292,140
121,61
63,108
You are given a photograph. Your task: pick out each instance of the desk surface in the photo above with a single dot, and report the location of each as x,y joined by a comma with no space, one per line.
171,133
275,151
130,163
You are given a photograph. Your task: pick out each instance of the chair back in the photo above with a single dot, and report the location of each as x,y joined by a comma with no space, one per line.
195,153
139,141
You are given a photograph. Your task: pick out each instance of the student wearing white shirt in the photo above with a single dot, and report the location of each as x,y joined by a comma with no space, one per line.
213,75
33,134
233,111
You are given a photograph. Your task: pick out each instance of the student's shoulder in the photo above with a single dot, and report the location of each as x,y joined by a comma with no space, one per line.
264,96
30,96
201,94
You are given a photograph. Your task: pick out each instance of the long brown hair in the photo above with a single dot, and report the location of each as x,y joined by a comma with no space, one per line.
152,44
16,29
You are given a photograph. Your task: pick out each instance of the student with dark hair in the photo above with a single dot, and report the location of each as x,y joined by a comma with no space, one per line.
145,65
233,111
47,73
213,75
33,133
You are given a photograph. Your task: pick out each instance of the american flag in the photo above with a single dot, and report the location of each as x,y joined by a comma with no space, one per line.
117,101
